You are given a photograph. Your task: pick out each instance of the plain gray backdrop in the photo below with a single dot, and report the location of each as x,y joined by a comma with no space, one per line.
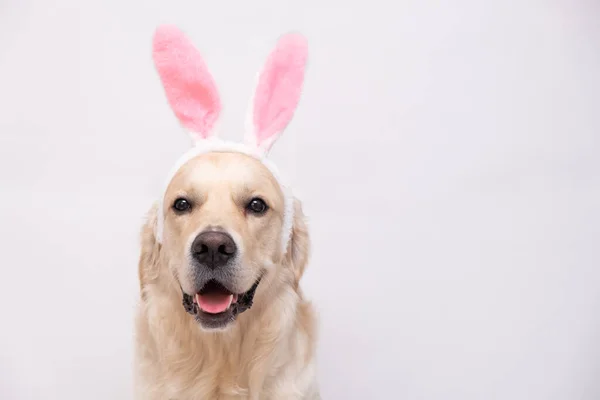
447,154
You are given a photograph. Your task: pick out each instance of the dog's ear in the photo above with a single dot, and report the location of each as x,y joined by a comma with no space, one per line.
148,267
277,93
299,246
189,86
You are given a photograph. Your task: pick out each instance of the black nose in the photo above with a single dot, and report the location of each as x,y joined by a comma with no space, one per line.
213,249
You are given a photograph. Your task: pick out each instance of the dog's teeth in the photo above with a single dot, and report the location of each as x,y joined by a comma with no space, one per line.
230,301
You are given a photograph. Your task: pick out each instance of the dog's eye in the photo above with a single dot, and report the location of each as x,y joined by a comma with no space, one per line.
257,206
181,205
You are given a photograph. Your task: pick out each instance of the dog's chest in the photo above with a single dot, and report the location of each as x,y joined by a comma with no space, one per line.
219,385
223,375
213,387
264,378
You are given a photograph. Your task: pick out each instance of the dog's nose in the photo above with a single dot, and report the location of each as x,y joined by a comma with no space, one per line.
213,249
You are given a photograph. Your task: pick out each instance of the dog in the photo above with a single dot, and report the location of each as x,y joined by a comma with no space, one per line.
221,313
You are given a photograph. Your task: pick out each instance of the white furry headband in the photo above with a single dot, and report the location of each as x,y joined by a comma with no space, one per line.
193,96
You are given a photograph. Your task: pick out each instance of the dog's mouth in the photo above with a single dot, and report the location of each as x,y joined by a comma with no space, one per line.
215,298
215,306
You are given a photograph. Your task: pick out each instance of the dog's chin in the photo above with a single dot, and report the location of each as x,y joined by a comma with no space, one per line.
215,307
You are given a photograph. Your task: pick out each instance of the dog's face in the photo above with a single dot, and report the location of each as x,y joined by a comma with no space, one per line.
223,227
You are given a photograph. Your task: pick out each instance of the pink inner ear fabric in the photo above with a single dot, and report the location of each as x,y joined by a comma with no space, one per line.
189,87
279,87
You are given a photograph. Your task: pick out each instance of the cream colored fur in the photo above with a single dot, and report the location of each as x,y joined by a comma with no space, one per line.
269,351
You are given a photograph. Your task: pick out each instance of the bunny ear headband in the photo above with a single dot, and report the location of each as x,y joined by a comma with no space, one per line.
193,97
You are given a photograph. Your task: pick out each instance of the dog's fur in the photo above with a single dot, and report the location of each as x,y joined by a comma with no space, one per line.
268,352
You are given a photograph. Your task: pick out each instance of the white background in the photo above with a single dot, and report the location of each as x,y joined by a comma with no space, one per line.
447,154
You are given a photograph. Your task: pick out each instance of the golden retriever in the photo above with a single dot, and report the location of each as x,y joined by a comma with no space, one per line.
221,313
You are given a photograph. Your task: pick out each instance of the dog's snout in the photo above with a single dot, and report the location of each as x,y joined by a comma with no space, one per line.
213,249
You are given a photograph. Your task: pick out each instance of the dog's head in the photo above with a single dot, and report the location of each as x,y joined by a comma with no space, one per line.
226,220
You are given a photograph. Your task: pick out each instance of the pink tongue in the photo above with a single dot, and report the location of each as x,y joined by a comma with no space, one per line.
214,303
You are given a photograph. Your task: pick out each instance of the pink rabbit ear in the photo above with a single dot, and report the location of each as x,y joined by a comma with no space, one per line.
190,89
278,91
